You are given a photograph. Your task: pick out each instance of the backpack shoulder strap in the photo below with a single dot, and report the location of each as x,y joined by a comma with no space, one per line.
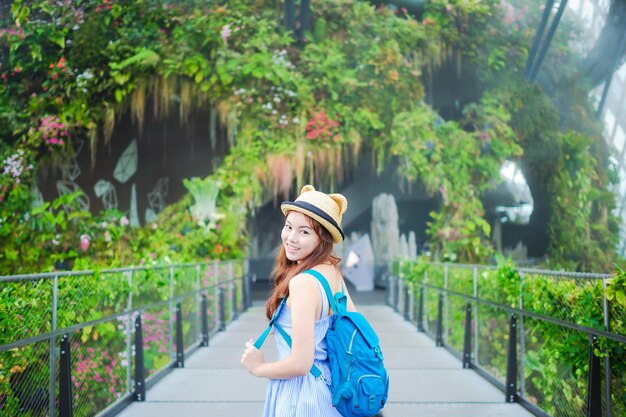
324,282
259,342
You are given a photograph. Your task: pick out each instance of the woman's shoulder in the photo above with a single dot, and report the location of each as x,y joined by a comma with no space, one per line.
302,280
332,275
329,272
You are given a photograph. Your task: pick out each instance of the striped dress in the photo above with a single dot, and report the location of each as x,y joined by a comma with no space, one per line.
303,396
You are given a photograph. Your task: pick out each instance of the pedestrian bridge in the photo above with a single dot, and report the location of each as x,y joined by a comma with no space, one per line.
425,380
165,341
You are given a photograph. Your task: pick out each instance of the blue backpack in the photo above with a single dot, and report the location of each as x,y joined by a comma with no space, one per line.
360,383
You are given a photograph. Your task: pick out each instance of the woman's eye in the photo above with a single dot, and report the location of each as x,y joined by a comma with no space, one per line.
305,232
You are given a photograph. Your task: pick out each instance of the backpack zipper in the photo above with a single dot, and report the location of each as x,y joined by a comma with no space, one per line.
368,376
351,341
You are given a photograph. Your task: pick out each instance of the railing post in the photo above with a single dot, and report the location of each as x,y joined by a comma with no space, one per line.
129,330
439,340
198,297
205,322
53,349
235,306
396,295
244,293
407,293
467,339
594,382
607,358
231,290
251,279
216,288
420,311
180,347
388,290
511,366
65,379
446,329
222,299
477,338
140,375
171,308
522,341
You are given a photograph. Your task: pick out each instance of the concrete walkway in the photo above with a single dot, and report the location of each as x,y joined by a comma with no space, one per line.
425,381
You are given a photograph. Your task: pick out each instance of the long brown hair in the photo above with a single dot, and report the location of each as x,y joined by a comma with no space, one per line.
284,269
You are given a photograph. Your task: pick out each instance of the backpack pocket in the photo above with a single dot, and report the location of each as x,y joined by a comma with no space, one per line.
370,395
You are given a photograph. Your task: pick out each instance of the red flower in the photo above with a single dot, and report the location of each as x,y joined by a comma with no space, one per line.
323,128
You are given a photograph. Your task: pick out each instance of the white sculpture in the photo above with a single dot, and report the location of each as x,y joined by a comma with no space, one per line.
37,196
359,264
149,216
106,191
134,216
404,247
127,164
68,187
384,228
205,193
412,245
71,169
156,198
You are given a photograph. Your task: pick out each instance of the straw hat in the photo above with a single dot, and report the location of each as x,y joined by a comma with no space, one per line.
327,209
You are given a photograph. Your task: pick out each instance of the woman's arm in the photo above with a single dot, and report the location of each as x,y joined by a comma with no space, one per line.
304,297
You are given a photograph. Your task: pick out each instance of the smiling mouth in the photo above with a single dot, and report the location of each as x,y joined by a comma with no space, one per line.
290,248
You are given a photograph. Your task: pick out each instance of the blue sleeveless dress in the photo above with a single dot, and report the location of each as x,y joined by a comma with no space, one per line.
304,396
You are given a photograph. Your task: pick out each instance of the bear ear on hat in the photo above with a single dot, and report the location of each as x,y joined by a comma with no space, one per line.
341,202
307,188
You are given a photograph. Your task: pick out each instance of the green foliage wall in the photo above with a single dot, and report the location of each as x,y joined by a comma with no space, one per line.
294,112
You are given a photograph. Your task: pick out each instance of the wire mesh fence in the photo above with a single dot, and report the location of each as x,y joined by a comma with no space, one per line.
555,382
90,318
158,339
614,378
493,329
99,367
557,318
25,380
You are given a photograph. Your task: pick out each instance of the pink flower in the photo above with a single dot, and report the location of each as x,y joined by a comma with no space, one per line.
107,236
84,242
509,16
124,221
225,34
154,226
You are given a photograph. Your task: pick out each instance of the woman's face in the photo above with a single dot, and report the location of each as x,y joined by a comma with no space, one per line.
298,237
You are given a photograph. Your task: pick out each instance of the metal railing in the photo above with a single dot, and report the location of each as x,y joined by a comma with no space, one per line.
510,340
88,343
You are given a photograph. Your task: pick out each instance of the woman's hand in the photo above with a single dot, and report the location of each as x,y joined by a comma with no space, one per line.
251,358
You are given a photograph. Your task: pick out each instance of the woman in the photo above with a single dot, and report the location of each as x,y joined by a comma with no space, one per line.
312,225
